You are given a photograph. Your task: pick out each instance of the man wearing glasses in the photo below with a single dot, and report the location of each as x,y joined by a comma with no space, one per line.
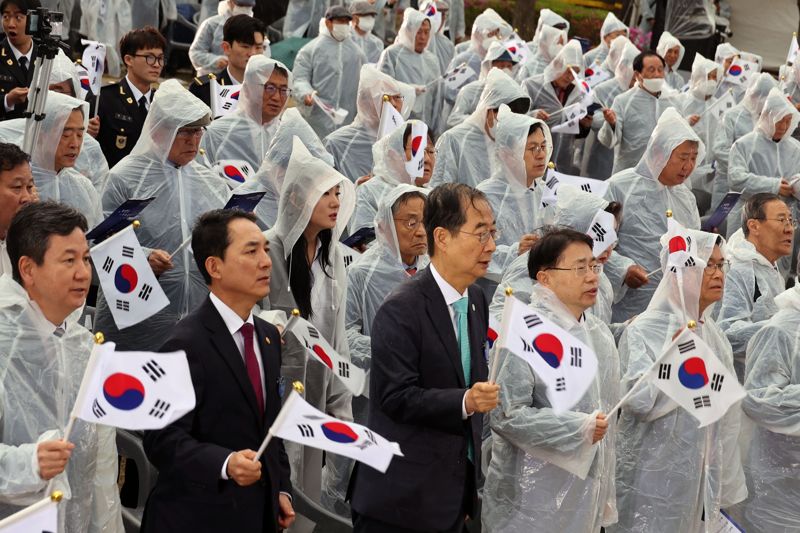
17,54
124,105
754,279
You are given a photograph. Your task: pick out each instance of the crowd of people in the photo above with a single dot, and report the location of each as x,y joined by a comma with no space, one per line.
456,206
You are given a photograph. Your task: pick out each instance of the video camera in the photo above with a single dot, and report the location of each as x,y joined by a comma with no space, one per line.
43,23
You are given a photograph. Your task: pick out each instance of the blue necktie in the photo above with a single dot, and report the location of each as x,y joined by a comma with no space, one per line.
460,309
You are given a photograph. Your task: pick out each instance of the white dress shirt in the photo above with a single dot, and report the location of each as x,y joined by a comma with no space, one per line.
5,261
17,55
137,94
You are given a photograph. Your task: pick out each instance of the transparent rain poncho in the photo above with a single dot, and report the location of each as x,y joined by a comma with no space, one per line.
756,162
666,42
242,135
690,20
669,471
40,375
547,17
389,154
351,145
441,45
645,201
106,22
517,208
615,53
524,490
307,179
549,43
206,48
370,278
484,24
269,177
463,152
770,464
331,69
302,17
744,310
401,62
598,54
725,51
370,44
543,97
64,70
181,194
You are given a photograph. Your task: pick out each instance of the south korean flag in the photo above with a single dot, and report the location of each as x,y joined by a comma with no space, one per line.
129,285
690,373
459,76
602,232
419,141
224,98
565,365
682,247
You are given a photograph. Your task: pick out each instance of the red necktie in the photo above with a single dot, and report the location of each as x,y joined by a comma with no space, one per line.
411,271
251,363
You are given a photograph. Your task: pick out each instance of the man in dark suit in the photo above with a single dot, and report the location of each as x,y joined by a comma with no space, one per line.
208,479
17,54
124,105
426,338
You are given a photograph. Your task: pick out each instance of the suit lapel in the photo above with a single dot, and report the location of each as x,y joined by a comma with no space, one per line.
439,315
477,337
10,61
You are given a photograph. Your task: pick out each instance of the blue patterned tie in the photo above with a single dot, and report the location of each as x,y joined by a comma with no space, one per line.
460,309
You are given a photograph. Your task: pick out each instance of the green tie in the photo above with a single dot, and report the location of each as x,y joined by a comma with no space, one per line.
460,309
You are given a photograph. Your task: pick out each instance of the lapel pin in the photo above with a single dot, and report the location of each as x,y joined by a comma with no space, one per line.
130,100
10,62
266,339
473,307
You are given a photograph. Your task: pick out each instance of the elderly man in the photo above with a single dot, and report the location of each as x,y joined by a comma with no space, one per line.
43,355
364,14
328,66
754,280
611,29
162,165
646,192
245,134
672,51
16,190
207,52
441,46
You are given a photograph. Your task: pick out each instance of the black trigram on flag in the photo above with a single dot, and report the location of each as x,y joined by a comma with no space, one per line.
690,262
716,382
575,357
687,346
123,305
370,435
144,294
348,260
127,251
159,409
98,411
305,430
532,321
599,232
152,369
586,187
561,384
224,93
526,347
245,169
664,370
344,369
552,182
313,333
108,264
702,401
227,105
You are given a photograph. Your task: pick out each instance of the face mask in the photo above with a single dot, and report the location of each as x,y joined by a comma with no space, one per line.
366,24
708,87
653,85
340,32
242,10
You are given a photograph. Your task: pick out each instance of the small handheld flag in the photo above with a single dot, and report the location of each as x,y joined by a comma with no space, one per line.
602,232
572,114
233,171
553,180
391,119
337,115
224,98
42,517
741,71
94,59
791,57
419,141
459,76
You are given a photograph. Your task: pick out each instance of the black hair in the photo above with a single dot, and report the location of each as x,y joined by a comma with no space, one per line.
638,61
210,236
520,105
241,28
141,39
12,156
278,68
755,208
407,134
446,207
405,197
615,208
22,5
546,252
31,228
536,126
300,278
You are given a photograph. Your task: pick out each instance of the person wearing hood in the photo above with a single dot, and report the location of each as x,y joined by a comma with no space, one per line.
308,274
737,122
398,252
245,134
611,29
549,43
16,191
672,51
392,155
547,17
765,160
634,113
301,18
534,481
469,95
487,28
522,148
551,92
269,177
364,14
44,351
409,60
772,389
754,280
441,46
351,145
646,192
463,151
207,52
162,165
725,54
671,474
328,67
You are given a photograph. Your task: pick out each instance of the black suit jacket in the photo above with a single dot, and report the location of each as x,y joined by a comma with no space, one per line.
11,77
189,453
201,86
416,392
121,121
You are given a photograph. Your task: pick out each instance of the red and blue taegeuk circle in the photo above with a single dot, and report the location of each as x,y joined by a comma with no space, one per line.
415,144
231,172
123,391
692,373
549,348
339,432
735,70
125,278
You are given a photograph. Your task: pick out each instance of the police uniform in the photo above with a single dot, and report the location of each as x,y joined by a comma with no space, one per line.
201,85
121,121
12,75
